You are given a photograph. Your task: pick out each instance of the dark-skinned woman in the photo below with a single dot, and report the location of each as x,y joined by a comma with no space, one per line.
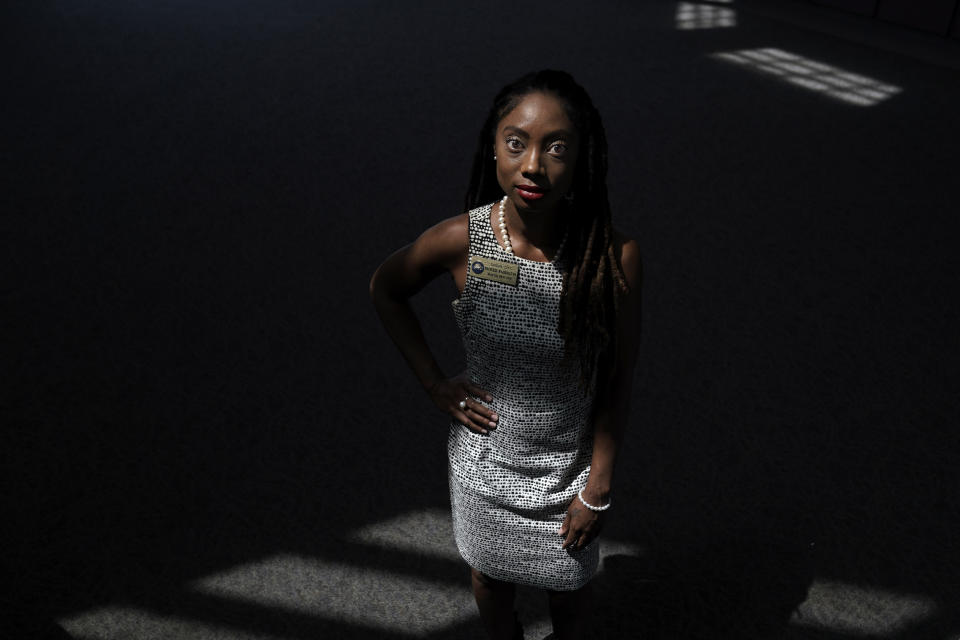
549,313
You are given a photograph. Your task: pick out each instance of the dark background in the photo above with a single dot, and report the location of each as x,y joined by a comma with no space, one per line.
193,375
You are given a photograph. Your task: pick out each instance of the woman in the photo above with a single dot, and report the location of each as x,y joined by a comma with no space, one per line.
549,313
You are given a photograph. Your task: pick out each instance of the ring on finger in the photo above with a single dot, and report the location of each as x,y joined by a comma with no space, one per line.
463,403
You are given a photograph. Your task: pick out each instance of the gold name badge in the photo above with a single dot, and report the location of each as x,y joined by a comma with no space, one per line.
496,270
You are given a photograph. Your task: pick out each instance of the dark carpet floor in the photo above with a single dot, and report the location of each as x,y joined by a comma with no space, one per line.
207,433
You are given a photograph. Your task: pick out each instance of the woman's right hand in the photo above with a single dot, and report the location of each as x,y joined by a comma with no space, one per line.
447,395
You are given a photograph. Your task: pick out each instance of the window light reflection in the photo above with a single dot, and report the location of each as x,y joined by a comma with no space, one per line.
849,87
855,611
704,16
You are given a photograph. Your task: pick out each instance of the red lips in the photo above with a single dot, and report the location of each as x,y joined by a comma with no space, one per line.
530,191
531,187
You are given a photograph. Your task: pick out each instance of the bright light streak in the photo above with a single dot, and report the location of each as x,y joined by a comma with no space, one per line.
361,597
428,532
816,76
704,16
853,610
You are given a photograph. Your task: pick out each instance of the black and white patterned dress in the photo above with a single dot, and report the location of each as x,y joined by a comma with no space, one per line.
510,490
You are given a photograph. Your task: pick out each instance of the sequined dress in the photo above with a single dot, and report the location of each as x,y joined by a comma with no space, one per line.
510,490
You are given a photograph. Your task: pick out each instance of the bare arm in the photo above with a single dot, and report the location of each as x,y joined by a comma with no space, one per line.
611,408
442,247
613,399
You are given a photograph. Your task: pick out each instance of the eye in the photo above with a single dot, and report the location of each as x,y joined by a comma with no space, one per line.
514,144
558,148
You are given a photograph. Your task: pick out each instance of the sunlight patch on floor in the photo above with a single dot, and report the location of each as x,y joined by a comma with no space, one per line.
849,87
296,586
428,532
359,596
858,611
692,15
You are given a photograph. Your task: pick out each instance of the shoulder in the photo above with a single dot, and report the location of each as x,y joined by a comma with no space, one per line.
627,251
452,230
446,242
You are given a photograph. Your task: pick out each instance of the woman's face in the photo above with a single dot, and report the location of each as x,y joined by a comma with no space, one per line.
536,147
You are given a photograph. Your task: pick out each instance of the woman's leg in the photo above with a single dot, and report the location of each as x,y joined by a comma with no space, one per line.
495,601
570,612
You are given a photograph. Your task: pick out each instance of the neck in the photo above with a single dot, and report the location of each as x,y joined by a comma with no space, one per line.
539,228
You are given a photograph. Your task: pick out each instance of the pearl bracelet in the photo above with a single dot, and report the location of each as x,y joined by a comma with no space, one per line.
590,506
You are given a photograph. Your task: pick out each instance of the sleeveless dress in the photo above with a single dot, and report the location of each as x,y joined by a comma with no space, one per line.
509,490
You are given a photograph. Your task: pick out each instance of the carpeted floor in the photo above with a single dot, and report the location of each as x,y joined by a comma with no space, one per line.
207,434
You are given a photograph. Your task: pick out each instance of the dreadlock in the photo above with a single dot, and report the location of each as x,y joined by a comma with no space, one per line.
593,282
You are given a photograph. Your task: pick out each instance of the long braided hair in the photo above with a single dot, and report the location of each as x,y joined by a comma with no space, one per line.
593,282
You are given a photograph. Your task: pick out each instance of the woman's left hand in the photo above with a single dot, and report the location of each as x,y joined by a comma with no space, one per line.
580,526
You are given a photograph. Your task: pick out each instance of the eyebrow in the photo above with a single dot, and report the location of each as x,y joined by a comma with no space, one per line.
552,134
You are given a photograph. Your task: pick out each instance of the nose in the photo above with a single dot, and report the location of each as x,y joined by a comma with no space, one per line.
531,161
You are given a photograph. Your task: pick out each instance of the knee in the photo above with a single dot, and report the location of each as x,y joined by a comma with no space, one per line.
484,580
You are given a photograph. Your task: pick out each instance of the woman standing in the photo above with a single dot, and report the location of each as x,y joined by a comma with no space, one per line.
549,313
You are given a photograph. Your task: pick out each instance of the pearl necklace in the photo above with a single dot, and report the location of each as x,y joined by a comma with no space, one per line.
506,236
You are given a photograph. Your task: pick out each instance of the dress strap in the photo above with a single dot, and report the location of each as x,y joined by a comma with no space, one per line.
482,240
